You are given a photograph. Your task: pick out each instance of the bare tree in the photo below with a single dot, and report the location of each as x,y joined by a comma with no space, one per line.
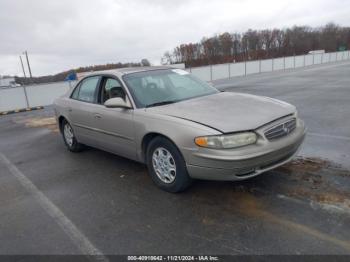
260,44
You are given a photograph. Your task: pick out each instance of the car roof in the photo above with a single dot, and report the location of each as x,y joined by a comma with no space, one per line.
128,70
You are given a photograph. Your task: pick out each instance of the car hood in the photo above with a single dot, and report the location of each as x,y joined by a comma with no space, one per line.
228,112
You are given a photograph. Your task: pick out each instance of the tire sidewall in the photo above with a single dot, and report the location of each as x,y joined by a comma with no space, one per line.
182,179
75,147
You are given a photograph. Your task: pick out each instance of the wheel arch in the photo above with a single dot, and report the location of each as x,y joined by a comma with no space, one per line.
147,138
60,122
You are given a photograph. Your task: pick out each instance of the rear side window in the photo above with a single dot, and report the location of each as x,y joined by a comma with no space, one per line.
86,91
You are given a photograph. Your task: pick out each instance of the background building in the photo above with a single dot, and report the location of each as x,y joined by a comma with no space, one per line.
6,82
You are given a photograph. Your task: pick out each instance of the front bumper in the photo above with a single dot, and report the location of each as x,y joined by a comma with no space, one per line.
245,162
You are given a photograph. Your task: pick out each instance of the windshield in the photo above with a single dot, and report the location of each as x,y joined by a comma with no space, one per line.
159,87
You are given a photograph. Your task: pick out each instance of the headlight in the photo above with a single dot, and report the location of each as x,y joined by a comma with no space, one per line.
226,141
296,114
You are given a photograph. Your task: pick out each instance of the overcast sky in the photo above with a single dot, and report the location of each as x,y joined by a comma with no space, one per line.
64,34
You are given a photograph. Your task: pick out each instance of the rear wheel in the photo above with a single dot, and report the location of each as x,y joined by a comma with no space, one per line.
166,166
69,137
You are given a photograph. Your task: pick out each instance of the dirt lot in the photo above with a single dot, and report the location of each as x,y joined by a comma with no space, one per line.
56,202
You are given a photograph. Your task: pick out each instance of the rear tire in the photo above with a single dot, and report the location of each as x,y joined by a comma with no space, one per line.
69,138
167,166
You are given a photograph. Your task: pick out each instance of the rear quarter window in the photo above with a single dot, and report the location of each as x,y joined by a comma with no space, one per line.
75,92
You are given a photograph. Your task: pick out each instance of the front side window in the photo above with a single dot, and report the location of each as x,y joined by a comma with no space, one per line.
87,90
150,88
111,89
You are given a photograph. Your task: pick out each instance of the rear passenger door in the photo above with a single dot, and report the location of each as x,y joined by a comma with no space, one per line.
82,107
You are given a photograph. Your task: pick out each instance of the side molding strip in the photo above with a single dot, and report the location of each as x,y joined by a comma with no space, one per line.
104,132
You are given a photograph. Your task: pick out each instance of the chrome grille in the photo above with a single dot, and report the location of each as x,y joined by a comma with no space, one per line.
281,130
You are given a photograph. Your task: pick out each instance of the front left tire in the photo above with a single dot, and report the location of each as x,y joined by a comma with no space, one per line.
69,138
167,166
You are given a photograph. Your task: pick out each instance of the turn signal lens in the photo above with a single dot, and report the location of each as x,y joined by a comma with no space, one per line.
201,141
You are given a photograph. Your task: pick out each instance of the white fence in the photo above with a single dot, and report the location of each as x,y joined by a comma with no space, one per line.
44,94
222,71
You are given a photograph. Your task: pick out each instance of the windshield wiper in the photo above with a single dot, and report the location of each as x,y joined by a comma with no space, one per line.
162,103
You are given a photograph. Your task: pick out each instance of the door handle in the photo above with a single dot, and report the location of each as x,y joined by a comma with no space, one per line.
70,109
98,116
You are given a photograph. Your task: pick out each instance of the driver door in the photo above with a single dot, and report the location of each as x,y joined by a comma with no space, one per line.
115,126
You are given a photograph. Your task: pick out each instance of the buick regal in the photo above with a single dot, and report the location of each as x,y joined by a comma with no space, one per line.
181,127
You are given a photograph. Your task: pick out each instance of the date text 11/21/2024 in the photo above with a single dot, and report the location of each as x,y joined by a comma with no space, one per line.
173,258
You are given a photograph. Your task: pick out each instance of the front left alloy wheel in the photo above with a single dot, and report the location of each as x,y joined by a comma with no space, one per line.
164,165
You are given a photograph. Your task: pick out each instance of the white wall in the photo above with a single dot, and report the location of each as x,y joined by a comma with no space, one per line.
203,72
222,71
219,71
252,67
266,65
289,62
236,69
299,61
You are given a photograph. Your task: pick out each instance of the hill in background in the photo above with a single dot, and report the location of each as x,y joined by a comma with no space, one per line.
61,76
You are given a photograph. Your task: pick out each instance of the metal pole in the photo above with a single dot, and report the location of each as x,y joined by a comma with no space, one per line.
304,60
273,66
284,63
24,88
24,72
30,71
229,70
259,66
211,73
26,96
294,61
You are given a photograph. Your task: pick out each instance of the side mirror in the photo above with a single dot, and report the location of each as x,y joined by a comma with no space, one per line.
118,102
